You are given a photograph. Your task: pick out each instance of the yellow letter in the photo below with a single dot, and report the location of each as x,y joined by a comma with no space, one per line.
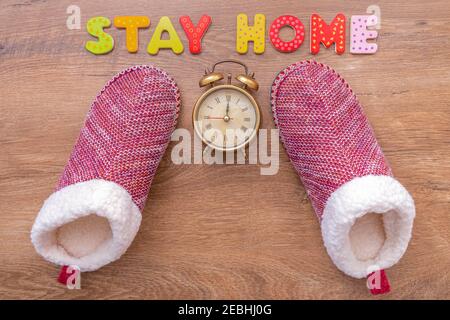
244,33
174,42
132,24
105,42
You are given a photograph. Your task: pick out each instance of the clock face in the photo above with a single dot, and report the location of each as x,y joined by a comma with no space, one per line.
226,117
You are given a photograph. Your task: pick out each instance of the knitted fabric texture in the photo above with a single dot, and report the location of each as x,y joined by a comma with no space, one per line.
334,150
110,170
324,130
126,132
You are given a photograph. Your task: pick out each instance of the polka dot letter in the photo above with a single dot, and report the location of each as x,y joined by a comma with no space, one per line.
246,33
132,24
105,42
292,22
328,34
359,34
195,33
174,42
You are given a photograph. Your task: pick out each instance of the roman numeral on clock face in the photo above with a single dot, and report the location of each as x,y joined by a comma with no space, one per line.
228,97
217,100
244,109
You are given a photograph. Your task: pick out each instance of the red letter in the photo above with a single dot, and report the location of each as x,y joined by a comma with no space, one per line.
295,24
328,34
195,33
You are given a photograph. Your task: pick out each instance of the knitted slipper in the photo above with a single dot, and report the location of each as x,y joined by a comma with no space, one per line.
95,212
366,215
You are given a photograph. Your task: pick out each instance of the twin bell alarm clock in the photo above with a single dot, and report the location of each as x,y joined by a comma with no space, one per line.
226,117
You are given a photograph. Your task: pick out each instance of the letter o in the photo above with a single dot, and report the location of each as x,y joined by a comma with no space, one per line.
292,22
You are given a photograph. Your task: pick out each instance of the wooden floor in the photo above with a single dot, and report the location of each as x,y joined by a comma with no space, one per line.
256,236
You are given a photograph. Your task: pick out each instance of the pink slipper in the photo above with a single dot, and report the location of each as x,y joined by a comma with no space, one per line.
334,151
95,212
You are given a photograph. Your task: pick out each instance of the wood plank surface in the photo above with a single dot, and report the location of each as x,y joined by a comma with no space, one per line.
256,236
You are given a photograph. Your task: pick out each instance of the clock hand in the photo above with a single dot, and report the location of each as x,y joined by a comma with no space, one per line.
215,118
227,117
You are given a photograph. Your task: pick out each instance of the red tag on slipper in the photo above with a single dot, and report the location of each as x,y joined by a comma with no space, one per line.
95,212
366,215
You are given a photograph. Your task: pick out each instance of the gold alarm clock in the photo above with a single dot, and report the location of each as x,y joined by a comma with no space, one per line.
227,117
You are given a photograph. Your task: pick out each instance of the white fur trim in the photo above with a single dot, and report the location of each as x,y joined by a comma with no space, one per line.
94,197
356,198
